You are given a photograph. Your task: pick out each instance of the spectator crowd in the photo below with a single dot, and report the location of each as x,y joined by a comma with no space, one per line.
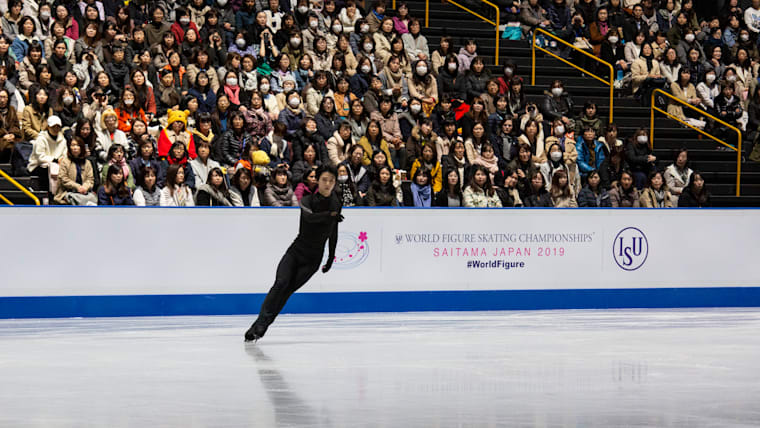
237,102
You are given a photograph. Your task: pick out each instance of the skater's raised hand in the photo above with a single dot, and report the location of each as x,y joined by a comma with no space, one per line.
328,265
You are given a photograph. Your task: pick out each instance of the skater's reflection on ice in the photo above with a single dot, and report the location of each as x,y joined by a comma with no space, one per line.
289,408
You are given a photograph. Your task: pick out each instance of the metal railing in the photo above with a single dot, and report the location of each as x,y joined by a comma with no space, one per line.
495,24
737,149
20,187
610,82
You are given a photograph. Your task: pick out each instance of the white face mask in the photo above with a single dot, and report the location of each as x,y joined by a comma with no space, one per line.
295,41
184,21
613,39
364,28
508,71
365,69
556,156
744,37
710,78
559,130
689,38
337,28
422,71
557,91
232,81
240,43
45,15
415,108
368,47
128,102
294,102
222,3
68,100
388,92
453,67
264,88
731,78
342,179
641,139
303,9
313,24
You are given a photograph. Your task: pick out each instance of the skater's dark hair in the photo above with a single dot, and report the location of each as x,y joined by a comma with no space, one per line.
326,168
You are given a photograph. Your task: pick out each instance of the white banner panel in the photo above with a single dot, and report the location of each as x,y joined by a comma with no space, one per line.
67,251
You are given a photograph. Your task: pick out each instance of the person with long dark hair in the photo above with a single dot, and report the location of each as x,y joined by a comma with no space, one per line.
536,194
623,193
214,193
114,191
320,215
147,193
480,191
695,194
594,194
75,177
451,194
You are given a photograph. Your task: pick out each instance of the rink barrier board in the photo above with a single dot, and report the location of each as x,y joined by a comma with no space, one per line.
409,301
714,268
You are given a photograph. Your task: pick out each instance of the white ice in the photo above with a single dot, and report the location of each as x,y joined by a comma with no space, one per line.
632,368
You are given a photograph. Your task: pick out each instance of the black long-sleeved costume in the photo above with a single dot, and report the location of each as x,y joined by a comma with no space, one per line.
319,222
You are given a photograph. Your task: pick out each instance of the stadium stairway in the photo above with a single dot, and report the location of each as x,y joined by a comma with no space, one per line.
718,167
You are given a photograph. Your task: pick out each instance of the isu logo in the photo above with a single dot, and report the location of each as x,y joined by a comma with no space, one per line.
630,248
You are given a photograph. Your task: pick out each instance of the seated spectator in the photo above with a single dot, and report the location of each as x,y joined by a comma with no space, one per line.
340,143
695,194
677,175
359,174
234,141
242,192
554,163
451,193
279,191
476,115
505,140
418,192
177,156
75,177
490,162
421,136
327,119
114,191
532,15
480,192
117,157
68,107
309,135
148,193
558,104
640,158
293,115
533,136
670,67
707,91
428,161
523,165
474,81
686,92
308,184
373,141
35,115
457,160
145,158
474,145
448,76
10,131
345,187
623,193
258,122
344,99
466,54
590,152
728,107
382,193
646,75
517,104
47,149
411,118
500,113
214,193
387,119
589,118
379,160
447,136
561,193
203,164
176,193
509,194
656,194
176,131
593,195
536,195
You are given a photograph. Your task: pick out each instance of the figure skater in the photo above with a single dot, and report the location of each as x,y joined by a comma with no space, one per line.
320,215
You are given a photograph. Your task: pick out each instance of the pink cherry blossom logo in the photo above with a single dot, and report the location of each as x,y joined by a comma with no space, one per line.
352,250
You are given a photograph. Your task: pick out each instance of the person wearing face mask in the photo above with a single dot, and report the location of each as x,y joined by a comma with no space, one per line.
293,115
448,75
349,16
613,52
182,24
558,104
555,162
127,110
566,141
640,158
312,30
685,46
424,87
361,29
745,42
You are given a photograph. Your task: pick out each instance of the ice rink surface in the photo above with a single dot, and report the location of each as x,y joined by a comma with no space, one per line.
605,368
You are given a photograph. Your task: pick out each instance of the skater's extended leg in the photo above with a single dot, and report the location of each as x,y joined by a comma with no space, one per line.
299,278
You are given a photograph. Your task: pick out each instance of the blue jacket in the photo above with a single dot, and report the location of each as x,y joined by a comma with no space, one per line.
20,48
206,102
291,120
584,156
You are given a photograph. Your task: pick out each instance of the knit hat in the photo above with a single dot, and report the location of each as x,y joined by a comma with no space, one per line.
105,114
178,115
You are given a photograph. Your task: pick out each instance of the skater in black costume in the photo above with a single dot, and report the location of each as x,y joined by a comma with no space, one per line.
320,215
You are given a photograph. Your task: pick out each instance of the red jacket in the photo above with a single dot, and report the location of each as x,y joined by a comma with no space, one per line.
165,144
179,33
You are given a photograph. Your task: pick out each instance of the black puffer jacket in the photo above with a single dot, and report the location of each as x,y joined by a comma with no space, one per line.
473,85
301,139
232,146
554,108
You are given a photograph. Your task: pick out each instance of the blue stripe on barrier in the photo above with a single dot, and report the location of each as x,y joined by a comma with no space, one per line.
390,301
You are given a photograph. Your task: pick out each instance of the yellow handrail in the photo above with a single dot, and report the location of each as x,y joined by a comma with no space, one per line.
20,187
496,24
611,81
737,149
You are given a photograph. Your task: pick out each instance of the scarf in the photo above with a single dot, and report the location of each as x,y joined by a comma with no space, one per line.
180,195
491,165
79,170
591,154
233,93
649,60
378,16
216,194
421,195
659,196
123,165
394,78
